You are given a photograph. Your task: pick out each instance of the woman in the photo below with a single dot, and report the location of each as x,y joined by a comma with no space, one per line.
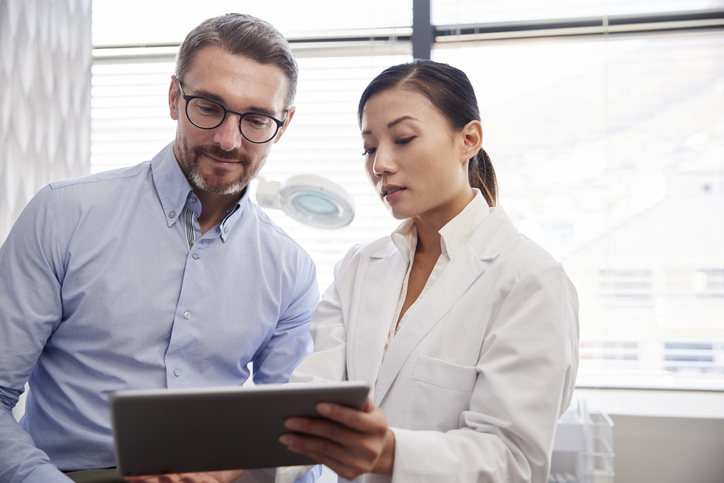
466,330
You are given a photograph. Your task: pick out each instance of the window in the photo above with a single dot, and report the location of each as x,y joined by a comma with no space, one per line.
608,144
626,284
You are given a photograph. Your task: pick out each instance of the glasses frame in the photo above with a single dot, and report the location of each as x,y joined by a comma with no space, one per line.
189,98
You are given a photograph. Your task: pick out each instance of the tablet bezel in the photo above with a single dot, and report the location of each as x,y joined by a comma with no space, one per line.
158,431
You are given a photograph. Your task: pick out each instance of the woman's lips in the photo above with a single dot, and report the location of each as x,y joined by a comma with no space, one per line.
391,193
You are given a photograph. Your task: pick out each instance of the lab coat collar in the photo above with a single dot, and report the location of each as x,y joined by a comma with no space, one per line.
454,234
487,241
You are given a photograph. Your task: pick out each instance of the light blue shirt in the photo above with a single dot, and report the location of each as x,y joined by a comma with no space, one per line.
100,292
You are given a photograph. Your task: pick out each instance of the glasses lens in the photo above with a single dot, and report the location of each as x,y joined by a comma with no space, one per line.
258,128
204,113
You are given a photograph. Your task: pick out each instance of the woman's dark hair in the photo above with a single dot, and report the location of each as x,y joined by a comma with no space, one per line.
451,92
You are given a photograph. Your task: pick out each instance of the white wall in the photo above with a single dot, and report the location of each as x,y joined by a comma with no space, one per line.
45,80
664,436
668,449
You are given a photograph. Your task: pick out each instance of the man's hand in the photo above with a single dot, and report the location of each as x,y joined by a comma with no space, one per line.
348,441
205,477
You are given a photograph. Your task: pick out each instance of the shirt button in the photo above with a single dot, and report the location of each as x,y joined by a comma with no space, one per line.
176,373
172,214
187,315
194,200
226,230
195,256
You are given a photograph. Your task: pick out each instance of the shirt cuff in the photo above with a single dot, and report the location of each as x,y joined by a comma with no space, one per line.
289,474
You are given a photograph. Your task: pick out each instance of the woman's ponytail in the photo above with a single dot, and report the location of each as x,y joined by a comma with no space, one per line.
481,175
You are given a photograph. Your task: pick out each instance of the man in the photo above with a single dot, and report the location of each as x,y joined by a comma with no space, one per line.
160,275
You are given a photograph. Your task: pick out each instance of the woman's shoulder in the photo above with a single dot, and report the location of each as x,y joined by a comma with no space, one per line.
502,243
379,248
362,254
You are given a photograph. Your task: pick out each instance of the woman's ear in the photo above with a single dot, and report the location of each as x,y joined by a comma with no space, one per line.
472,139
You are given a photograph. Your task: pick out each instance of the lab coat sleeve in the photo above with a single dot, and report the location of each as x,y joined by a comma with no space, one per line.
525,379
30,309
327,363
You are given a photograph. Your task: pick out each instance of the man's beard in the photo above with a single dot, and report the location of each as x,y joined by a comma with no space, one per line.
215,182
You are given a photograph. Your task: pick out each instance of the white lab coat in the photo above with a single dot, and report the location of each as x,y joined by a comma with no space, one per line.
477,377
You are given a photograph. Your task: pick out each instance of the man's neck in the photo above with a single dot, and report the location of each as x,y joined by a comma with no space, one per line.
214,207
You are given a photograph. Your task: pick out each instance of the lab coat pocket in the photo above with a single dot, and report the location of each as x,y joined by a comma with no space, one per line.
439,393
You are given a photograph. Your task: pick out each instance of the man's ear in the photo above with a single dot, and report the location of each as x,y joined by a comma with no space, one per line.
173,95
472,139
283,129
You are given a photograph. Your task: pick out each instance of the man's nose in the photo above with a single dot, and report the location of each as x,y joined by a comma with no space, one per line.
227,135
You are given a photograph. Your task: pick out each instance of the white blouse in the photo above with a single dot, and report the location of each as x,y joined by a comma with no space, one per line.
453,235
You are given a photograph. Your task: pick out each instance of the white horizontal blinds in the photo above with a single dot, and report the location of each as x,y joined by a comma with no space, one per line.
144,22
610,153
130,119
608,149
324,139
448,12
131,123
130,112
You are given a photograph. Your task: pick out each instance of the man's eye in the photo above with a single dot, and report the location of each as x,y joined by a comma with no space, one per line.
207,108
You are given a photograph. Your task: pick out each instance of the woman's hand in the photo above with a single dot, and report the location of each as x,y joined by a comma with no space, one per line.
348,441
206,477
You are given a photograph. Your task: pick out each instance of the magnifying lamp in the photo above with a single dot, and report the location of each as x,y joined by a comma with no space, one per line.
309,199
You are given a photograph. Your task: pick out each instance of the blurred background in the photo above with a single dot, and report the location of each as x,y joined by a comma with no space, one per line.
604,120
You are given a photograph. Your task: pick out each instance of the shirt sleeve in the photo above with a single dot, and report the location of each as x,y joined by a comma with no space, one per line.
291,340
328,362
30,310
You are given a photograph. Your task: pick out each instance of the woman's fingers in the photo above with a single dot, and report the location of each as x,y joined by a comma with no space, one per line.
349,441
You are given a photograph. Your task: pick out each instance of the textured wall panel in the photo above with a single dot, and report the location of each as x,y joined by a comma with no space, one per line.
45,78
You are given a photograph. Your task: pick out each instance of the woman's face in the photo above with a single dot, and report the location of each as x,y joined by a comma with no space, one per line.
415,162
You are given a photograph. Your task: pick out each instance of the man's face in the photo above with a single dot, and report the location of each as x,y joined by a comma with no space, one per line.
221,160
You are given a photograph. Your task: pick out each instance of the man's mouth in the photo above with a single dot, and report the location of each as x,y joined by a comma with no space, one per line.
221,156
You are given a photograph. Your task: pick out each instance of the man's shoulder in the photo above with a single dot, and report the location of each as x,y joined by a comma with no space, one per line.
110,176
271,232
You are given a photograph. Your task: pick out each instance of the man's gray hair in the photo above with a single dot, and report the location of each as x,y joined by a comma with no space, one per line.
241,34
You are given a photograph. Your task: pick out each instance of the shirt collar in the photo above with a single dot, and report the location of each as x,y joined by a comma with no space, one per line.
234,214
453,235
171,184
456,233
174,191
405,238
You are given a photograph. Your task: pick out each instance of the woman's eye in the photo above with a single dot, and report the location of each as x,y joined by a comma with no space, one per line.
404,140
368,151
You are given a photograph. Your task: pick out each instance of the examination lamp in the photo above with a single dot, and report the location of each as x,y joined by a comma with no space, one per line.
309,199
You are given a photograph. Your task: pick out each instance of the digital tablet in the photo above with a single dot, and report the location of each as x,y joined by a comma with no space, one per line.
218,428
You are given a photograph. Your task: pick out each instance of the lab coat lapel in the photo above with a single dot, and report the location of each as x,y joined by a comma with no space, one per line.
386,269
442,295
467,265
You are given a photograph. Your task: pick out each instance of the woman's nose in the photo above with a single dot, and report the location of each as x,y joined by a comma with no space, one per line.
382,163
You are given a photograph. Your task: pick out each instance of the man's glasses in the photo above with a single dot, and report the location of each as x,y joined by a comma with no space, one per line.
207,114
